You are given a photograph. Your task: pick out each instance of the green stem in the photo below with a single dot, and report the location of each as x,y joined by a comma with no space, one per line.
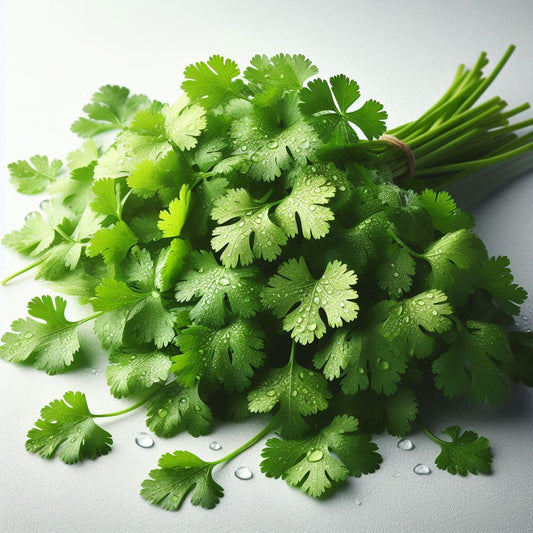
403,245
248,444
21,271
128,409
90,317
430,435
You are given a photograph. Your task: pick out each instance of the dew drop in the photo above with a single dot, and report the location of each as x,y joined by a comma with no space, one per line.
28,335
241,224
272,144
299,320
183,400
197,408
434,313
429,295
294,393
316,299
271,393
421,470
162,413
312,208
313,456
243,473
396,275
244,148
215,446
342,304
311,327
525,318
384,365
405,445
223,281
357,502
144,440
420,302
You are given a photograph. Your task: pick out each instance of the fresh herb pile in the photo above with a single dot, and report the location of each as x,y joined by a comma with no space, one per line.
258,247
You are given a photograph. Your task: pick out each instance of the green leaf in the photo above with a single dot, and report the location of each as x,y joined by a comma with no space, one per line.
252,219
298,391
466,452
227,355
48,343
396,270
317,99
181,473
472,364
111,108
83,156
67,427
176,408
218,290
170,263
213,83
411,320
33,176
33,238
107,199
521,367
272,138
133,372
112,243
496,278
171,222
305,208
317,462
184,122
444,213
332,293
206,193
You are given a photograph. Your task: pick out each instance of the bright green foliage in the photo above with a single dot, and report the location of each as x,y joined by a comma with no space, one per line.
330,103
67,427
48,343
130,372
473,364
171,221
113,242
33,176
314,463
111,108
253,219
227,355
218,290
176,408
411,320
299,392
332,293
179,474
249,213
444,213
466,452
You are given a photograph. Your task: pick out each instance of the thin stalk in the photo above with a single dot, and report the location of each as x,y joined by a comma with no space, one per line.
21,271
128,409
405,246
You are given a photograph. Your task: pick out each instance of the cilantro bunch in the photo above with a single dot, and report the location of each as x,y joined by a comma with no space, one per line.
258,246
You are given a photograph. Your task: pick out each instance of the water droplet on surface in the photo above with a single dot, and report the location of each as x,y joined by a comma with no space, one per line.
429,295
311,327
243,473
316,299
384,365
357,502
294,393
342,304
405,445
421,470
244,148
215,446
434,313
197,408
223,281
312,208
314,456
525,318
272,144
162,413
144,440
28,335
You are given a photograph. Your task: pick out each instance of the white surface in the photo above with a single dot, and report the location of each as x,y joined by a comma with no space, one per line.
403,54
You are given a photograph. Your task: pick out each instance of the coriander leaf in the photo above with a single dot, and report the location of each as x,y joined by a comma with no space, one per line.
113,243
49,343
107,199
131,372
176,408
445,215
363,356
170,263
411,320
171,222
299,392
472,364
184,122
206,193
395,272
227,355
109,327
332,293
111,108
67,426
466,452
33,238
76,189
317,99
252,220
496,278
217,288
213,83
330,456
145,227
83,156
305,208
33,176
272,138
521,367
181,473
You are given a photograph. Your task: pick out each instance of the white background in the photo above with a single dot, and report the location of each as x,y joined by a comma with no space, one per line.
56,54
